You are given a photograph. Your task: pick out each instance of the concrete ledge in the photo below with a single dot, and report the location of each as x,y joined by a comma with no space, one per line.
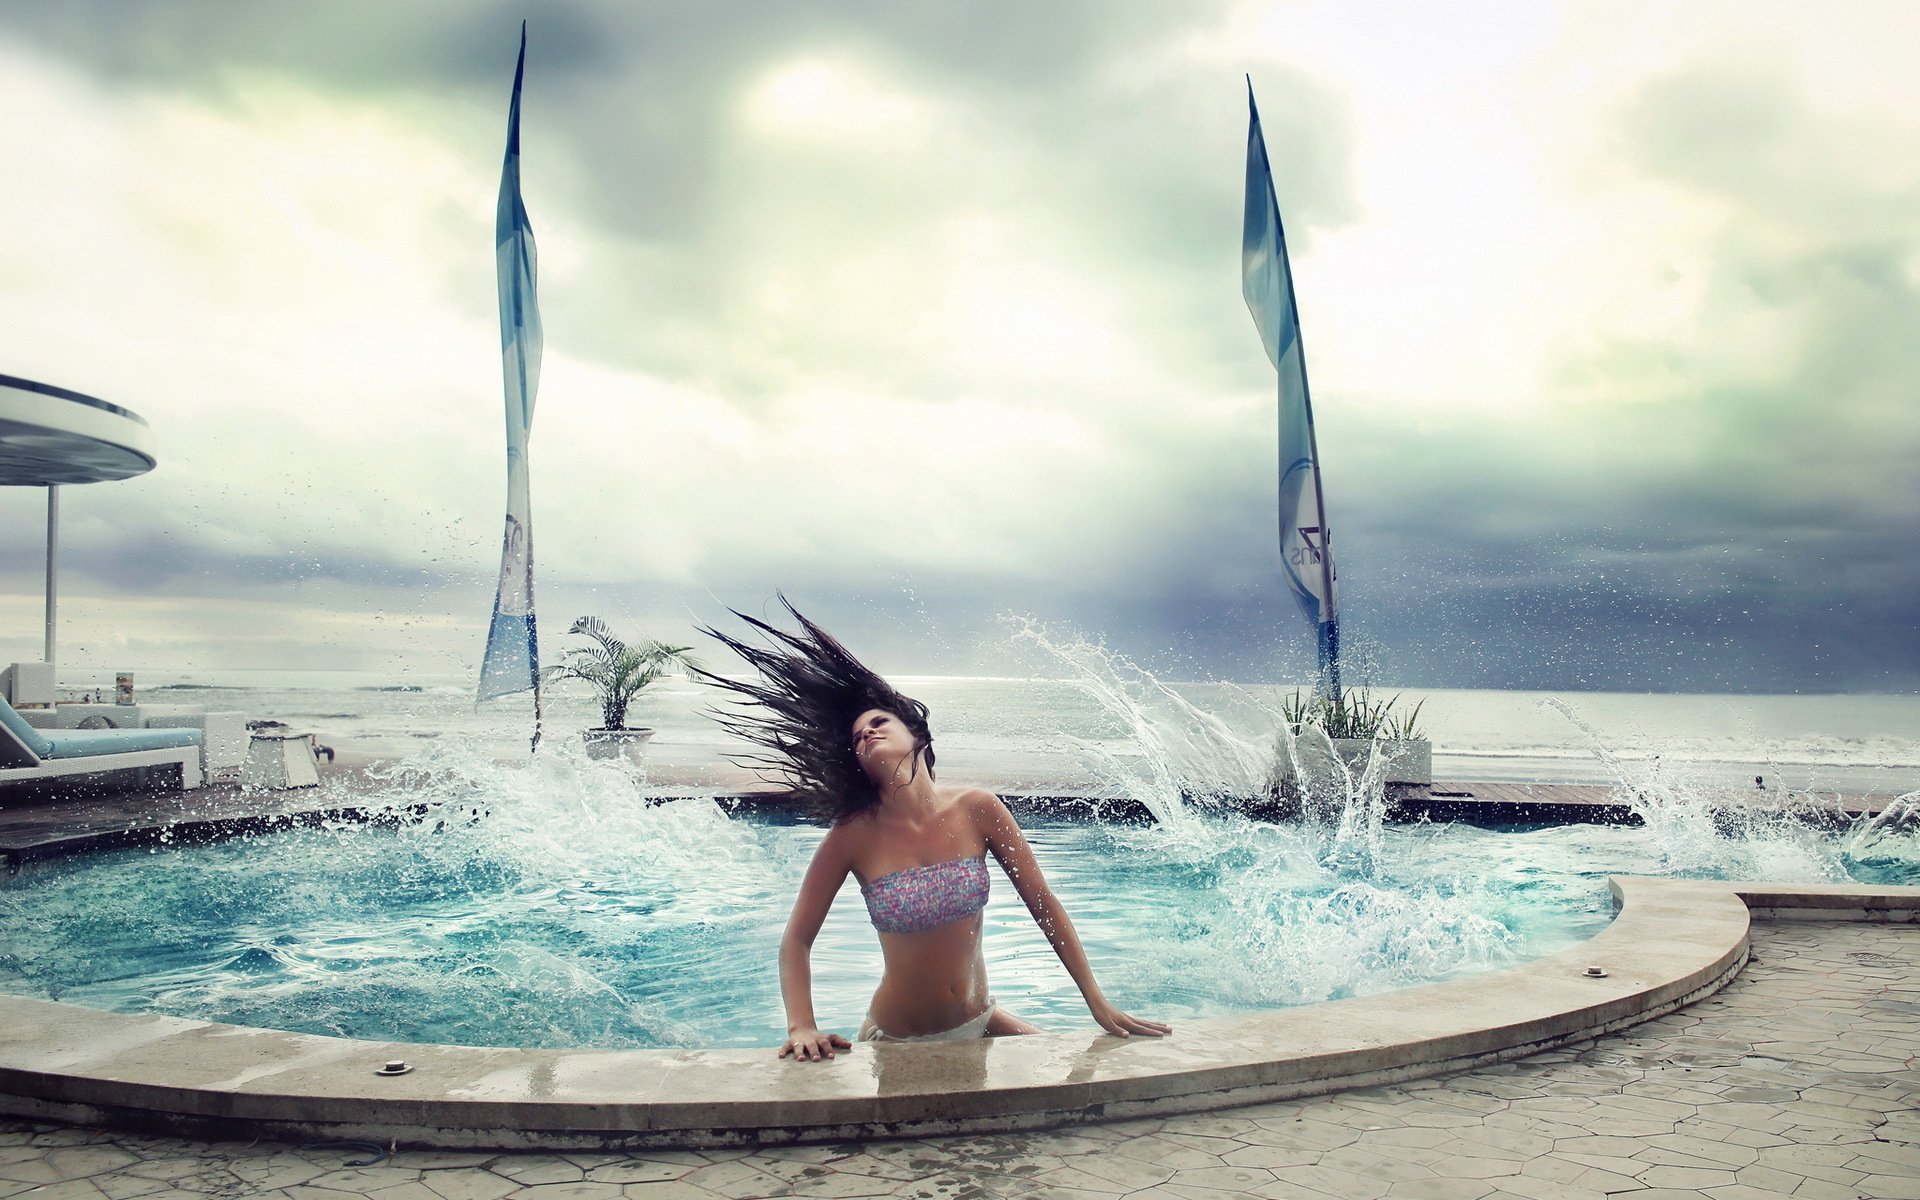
1673,942
1830,902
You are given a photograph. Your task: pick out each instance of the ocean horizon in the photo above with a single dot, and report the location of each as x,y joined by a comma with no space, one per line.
1083,729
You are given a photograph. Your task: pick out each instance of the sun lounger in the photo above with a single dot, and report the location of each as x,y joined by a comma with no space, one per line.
28,754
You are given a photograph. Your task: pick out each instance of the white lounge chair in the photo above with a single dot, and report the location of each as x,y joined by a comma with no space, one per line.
28,754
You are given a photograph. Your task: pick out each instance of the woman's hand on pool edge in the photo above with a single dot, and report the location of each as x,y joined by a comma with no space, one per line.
1119,1024
810,1045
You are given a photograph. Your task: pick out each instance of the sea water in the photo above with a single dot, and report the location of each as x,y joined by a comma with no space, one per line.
1060,731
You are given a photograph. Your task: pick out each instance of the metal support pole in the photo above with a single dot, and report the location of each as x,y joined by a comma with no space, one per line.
1330,660
53,565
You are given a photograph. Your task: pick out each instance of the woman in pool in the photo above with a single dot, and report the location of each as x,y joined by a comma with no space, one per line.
860,752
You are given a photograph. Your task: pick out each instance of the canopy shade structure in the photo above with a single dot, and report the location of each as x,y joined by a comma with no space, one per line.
50,436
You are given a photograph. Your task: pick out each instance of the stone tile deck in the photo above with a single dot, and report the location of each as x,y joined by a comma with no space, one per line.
1800,1078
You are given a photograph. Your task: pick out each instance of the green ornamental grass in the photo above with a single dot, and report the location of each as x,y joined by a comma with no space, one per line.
1354,714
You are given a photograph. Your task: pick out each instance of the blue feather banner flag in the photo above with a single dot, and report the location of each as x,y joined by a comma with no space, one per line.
512,662
1266,280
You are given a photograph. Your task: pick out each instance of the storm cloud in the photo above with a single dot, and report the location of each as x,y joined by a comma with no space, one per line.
928,315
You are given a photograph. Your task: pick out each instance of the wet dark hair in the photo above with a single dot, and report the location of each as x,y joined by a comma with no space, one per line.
800,713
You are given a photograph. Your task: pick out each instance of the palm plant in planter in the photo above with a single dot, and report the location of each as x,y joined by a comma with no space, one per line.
617,672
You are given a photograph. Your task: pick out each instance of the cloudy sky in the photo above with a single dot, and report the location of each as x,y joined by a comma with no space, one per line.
929,315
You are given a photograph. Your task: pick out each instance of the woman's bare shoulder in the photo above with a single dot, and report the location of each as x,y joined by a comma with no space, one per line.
982,806
845,838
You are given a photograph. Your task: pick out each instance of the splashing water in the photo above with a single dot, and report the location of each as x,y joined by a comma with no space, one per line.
563,815
547,903
1698,828
1189,763
1333,904
1887,846
1349,807
1268,917
1189,759
1186,755
1314,908
552,902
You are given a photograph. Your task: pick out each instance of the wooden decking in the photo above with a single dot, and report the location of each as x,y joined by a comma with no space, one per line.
1525,793
104,819
1599,804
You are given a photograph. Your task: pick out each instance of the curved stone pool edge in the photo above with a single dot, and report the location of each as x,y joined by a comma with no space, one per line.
1673,942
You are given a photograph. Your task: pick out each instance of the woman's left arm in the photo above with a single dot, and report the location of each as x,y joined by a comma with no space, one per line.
1009,847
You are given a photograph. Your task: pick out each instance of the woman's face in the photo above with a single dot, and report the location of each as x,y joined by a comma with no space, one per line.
880,741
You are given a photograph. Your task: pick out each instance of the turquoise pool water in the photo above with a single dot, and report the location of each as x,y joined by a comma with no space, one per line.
554,907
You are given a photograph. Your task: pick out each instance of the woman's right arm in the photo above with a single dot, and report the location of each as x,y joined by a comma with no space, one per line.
822,883
1010,847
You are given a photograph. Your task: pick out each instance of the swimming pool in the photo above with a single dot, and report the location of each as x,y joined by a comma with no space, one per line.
553,906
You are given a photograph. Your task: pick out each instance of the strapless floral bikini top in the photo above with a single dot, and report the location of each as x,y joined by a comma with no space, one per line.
922,898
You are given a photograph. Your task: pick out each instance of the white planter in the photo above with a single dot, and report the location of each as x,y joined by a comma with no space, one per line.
615,743
1405,760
